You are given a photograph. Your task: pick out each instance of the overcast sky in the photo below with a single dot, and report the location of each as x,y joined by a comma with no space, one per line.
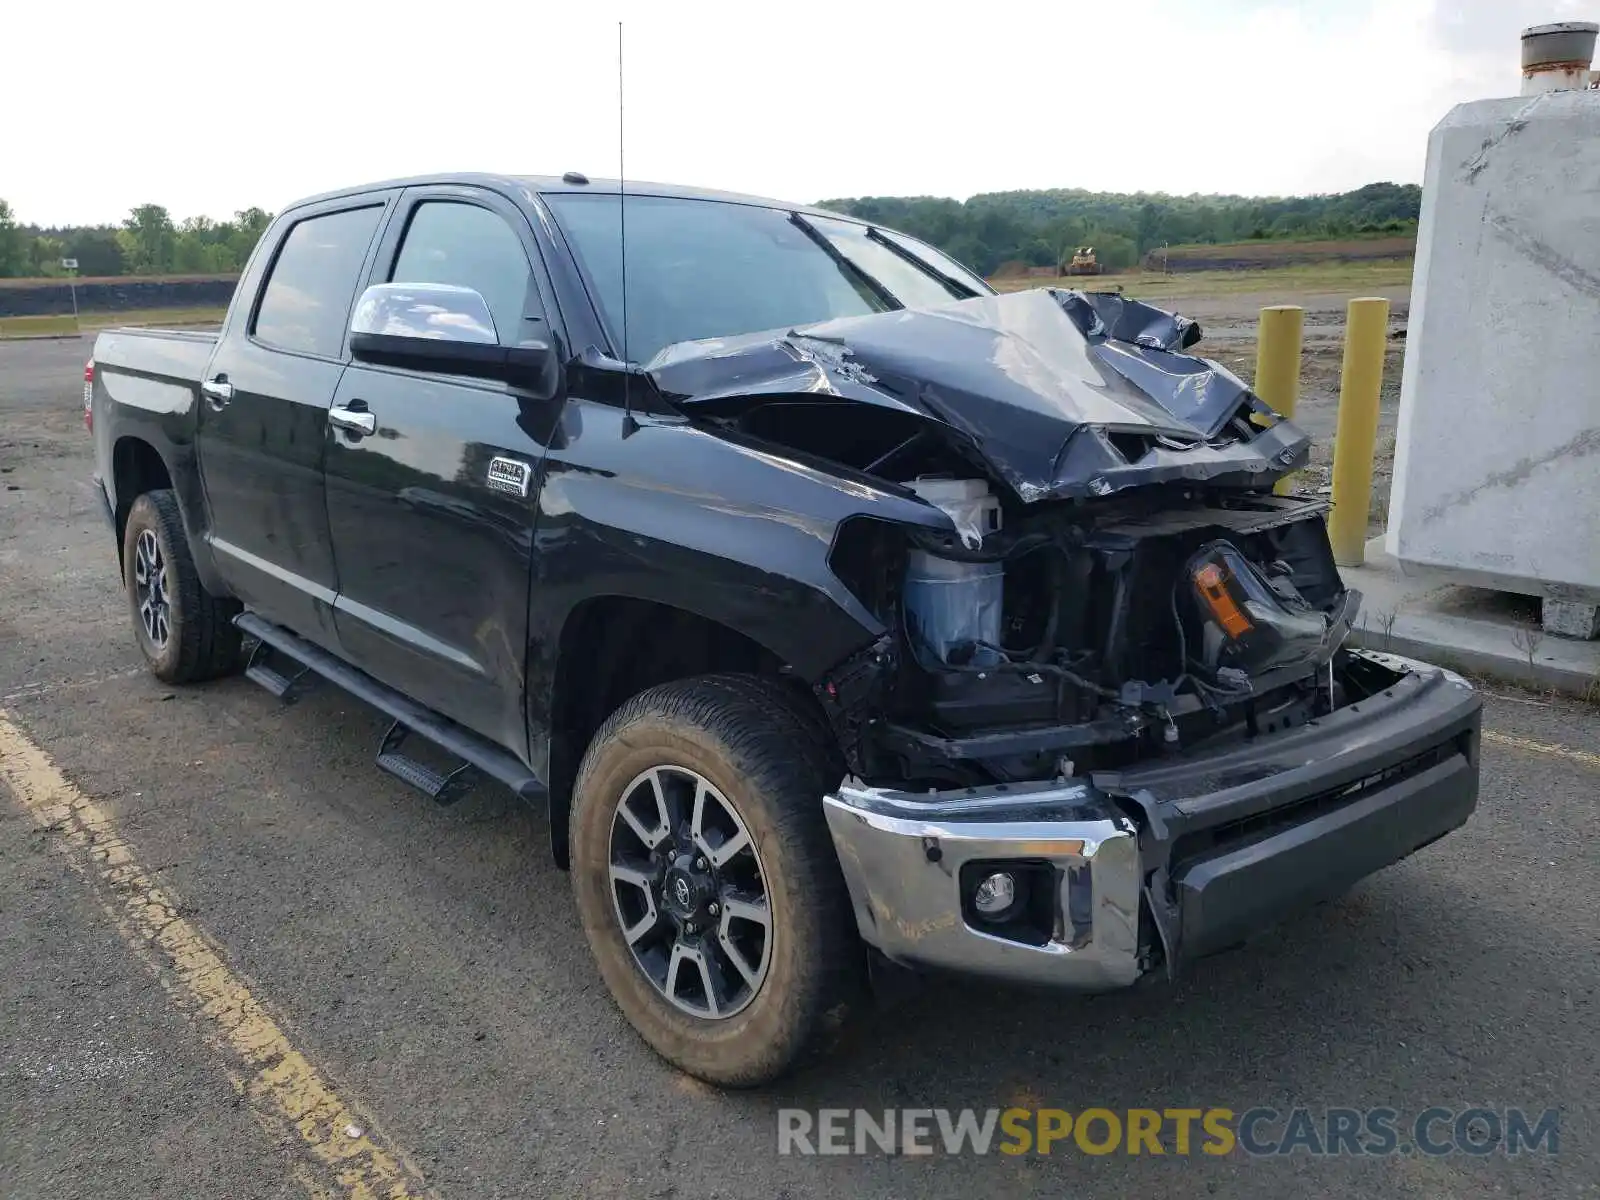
208,108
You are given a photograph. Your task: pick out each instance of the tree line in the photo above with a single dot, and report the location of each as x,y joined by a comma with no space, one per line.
1036,228
1042,228
147,242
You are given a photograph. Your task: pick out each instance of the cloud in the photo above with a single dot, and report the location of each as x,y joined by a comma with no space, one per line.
831,98
1485,29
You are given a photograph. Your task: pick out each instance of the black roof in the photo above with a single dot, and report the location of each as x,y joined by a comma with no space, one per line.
512,185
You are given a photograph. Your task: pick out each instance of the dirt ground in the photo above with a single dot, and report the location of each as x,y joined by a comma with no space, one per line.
1268,252
1229,325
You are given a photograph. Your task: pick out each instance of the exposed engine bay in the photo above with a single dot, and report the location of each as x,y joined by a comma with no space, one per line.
1120,583
1091,636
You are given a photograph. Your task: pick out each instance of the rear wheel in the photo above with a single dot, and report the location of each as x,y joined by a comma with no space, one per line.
185,632
706,880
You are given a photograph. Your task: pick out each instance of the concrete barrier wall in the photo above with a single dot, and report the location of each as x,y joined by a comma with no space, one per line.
114,295
1497,459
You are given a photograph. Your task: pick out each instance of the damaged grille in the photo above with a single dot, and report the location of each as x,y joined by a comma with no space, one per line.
1237,834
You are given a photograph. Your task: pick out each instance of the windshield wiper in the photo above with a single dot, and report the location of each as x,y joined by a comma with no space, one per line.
958,289
844,263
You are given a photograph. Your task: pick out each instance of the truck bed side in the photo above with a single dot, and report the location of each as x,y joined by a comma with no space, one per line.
146,388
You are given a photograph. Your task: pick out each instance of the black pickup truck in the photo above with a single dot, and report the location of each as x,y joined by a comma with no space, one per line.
844,613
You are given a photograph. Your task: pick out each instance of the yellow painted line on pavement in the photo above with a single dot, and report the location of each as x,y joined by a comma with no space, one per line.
287,1095
1554,751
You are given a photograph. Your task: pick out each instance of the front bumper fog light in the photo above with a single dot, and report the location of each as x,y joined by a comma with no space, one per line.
995,896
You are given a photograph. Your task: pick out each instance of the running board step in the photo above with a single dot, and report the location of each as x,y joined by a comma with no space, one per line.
287,688
441,789
408,716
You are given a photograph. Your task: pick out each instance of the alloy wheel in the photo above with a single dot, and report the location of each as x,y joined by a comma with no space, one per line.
150,585
690,892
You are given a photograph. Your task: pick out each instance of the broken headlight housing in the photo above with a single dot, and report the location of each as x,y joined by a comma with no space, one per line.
1250,622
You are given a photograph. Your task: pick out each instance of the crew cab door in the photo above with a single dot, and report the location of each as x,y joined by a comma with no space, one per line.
263,408
433,562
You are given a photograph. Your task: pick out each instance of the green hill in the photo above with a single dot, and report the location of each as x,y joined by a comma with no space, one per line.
1040,228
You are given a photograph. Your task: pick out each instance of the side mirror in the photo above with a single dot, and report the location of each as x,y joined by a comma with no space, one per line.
442,327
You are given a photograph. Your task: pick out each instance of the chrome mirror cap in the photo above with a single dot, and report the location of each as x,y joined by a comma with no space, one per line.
434,311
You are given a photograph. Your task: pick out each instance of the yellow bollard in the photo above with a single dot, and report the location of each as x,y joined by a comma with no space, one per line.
1366,327
1278,364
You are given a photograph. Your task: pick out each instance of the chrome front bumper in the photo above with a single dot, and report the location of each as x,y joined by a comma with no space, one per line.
1228,842
902,855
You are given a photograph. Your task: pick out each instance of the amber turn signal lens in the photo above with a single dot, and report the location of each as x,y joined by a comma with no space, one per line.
1212,584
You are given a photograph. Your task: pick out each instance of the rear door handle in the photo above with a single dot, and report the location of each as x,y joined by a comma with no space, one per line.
353,420
217,390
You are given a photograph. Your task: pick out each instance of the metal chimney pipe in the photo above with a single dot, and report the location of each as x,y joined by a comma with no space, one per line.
1556,57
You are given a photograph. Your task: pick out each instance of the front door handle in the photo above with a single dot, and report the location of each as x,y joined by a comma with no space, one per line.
217,390
353,420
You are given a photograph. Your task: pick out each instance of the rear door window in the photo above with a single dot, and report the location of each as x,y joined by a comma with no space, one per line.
462,244
306,304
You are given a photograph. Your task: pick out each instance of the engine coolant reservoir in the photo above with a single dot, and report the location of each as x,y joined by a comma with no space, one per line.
953,605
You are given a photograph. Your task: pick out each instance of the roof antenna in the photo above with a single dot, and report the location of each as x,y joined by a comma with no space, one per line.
629,425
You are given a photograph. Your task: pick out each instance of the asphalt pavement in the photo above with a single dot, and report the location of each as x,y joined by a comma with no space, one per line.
426,965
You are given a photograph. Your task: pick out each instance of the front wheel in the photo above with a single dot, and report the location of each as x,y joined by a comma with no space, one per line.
186,633
706,880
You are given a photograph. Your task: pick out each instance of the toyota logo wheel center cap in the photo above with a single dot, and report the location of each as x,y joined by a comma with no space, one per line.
685,891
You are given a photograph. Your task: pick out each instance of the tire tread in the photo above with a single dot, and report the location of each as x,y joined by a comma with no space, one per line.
785,751
208,641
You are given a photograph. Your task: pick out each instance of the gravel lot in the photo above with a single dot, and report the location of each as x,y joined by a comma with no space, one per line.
428,961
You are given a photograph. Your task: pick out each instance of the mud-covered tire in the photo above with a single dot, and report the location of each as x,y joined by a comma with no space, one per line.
753,739
201,640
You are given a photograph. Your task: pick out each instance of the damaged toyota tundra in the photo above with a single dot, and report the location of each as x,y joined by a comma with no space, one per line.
849,619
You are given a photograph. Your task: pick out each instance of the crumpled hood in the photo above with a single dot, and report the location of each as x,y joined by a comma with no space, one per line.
1062,393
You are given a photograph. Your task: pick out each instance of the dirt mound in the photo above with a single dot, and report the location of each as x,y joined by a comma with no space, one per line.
1257,255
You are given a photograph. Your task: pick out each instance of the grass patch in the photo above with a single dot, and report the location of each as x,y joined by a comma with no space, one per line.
89,322
1303,278
12,327
154,316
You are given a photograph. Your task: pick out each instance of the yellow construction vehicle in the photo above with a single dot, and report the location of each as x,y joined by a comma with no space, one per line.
1083,262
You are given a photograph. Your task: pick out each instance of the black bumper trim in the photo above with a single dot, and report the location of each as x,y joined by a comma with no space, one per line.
1223,899
1235,840
1419,712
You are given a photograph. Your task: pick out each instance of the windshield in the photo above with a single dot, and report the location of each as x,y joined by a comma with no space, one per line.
709,268
938,263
